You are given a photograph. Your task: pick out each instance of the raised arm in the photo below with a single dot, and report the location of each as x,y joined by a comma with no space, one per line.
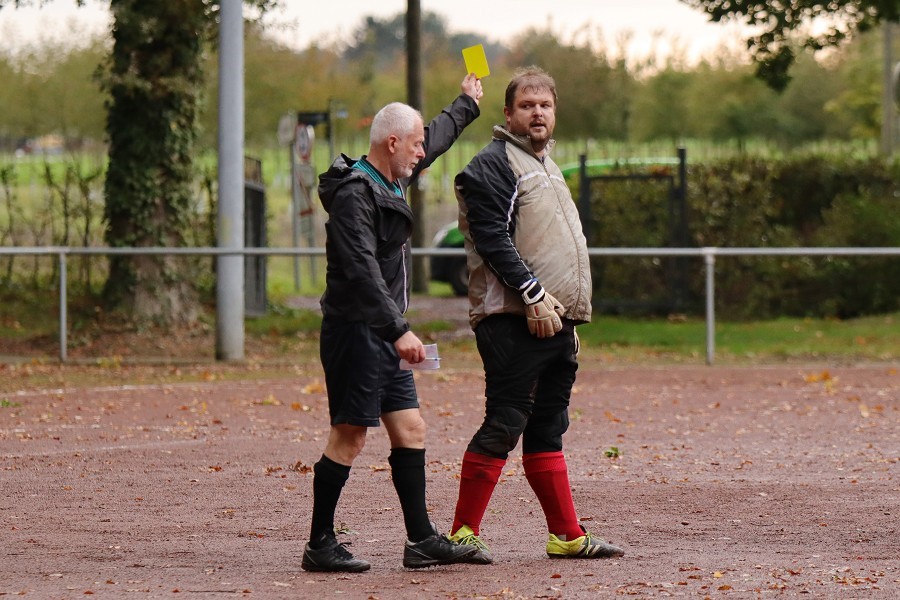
443,130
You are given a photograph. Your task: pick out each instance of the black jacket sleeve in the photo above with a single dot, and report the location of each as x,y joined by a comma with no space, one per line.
488,187
443,130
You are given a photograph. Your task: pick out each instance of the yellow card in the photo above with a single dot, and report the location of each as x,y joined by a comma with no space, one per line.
476,61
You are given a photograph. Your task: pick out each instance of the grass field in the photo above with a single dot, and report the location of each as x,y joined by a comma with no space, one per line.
867,338
26,322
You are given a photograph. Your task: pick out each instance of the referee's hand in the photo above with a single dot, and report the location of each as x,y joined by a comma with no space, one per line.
410,348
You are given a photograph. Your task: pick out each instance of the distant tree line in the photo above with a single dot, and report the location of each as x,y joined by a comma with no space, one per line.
51,89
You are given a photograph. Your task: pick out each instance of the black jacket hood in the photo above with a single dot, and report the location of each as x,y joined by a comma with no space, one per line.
338,174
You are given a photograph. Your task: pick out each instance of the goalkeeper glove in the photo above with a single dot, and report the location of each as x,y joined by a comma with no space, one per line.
542,310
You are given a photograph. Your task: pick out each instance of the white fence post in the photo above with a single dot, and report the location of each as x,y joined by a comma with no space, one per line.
709,257
63,308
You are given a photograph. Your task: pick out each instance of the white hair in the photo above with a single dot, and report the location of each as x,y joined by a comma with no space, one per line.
394,119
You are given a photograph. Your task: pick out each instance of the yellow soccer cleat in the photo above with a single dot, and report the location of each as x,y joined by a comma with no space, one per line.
466,537
586,546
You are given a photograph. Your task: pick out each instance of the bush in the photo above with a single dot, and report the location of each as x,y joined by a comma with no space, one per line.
817,201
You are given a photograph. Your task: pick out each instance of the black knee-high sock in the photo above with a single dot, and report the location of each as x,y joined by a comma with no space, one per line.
329,478
408,473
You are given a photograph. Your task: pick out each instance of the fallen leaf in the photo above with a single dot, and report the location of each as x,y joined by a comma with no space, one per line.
814,377
314,387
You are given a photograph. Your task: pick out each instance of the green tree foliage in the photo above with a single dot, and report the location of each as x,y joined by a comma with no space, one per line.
785,25
661,106
833,96
53,89
593,90
74,99
154,78
385,39
376,58
801,111
857,83
733,105
277,80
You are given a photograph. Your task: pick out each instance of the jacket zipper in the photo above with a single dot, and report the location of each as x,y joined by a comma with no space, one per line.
405,279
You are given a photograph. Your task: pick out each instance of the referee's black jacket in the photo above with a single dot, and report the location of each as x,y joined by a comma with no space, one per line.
367,233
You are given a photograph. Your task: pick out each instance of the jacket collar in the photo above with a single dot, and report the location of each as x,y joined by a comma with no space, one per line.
342,172
521,141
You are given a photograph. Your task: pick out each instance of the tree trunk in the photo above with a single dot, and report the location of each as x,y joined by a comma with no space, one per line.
154,81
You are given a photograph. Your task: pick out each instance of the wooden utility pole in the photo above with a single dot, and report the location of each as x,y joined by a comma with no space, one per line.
415,98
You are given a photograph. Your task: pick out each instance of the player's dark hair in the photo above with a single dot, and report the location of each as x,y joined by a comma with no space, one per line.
530,78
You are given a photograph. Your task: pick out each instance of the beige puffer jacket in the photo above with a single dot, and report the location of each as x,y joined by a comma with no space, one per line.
520,222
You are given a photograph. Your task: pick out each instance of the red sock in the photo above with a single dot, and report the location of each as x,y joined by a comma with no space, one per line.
478,477
549,478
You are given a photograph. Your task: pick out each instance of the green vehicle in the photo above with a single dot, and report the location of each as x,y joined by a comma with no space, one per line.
450,269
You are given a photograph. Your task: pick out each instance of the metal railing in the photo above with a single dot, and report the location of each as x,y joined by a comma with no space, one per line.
708,254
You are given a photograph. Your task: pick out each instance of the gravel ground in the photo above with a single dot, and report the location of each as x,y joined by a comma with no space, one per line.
756,482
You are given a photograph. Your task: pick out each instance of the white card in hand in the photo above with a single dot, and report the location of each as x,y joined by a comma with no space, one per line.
432,360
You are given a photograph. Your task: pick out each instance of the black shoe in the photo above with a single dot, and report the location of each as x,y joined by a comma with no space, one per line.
331,556
434,550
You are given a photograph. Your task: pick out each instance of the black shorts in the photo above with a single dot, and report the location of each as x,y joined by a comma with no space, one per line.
362,374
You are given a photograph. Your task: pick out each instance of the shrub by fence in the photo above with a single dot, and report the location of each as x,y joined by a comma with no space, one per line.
808,201
817,201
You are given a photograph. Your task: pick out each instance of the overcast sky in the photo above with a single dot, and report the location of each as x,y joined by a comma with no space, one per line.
299,22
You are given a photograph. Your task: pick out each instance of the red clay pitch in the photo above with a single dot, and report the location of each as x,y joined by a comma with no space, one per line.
719,482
